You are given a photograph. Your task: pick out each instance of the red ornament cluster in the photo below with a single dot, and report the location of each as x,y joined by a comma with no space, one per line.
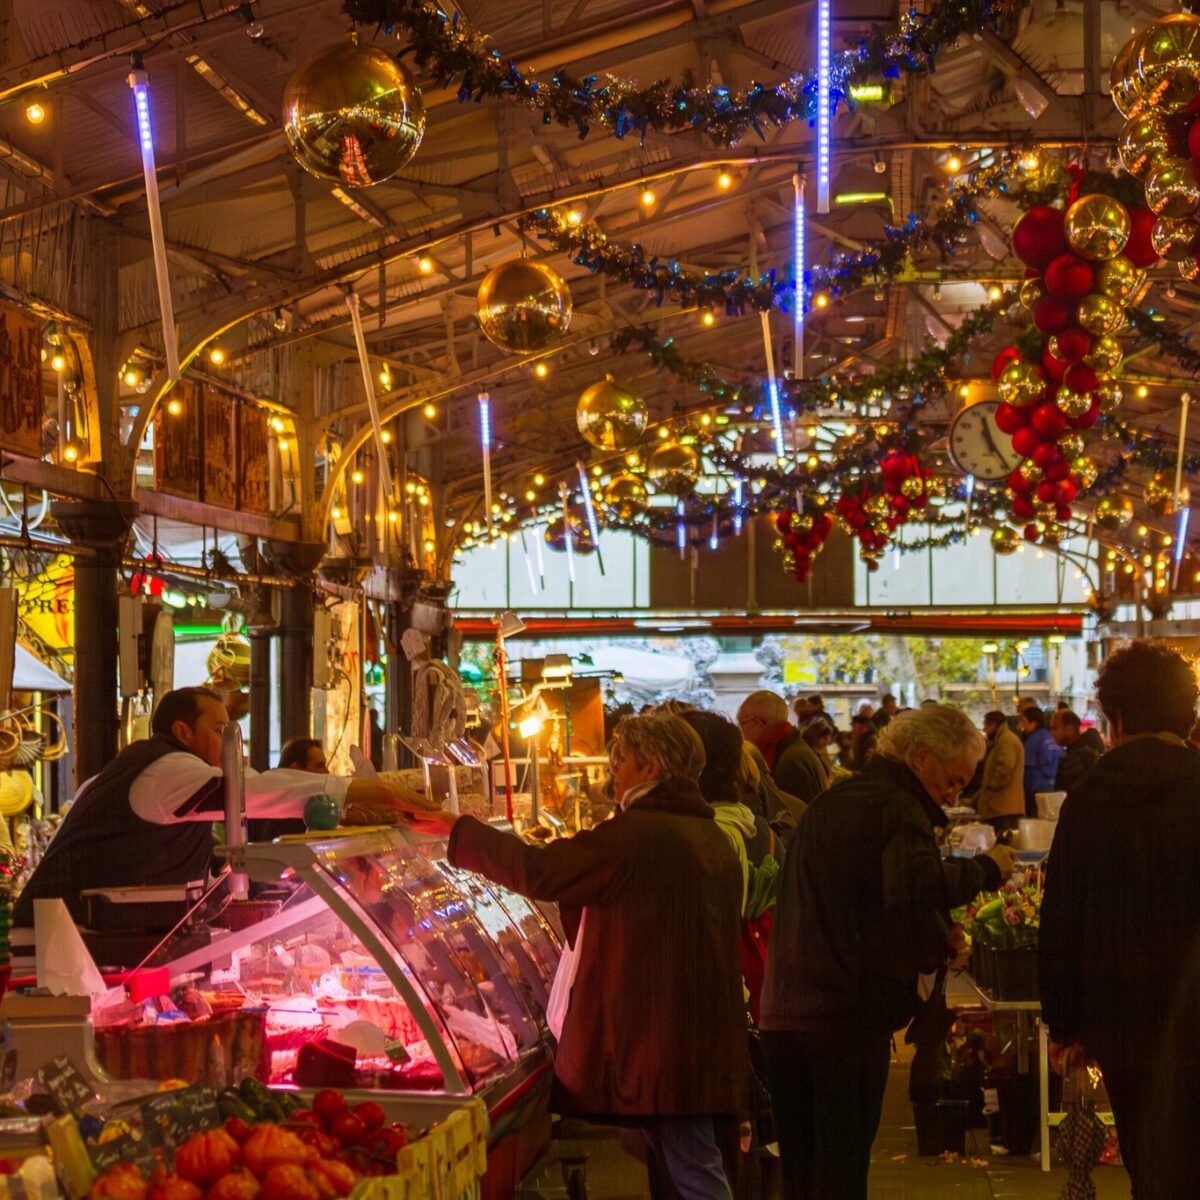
877,508
802,534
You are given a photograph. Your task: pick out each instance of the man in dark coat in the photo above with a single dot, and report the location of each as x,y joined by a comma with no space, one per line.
863,909
1119,945
794,765
655,1030
1079,755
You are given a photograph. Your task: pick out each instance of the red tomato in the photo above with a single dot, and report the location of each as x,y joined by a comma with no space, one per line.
328,1104
237,1185
120,1182
205,1157
172,1187
348,1129
288,1182
238,1129
332,1179
370,1114
304,1116
388,1142
319,1140
271,1146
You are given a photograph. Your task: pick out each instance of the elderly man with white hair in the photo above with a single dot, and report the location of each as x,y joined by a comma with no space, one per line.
863,909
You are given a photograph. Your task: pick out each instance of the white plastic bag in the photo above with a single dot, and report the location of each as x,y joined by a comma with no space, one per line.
564,981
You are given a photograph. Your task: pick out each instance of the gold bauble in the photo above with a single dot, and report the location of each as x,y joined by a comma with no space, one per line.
353,115
1070,445
1052,535
523,306
1097,226
1124,83
1173,240
1030,471
1074,404
1106,352
674,468
1005,540
1030,292
1119,278
1020,384
1108,392
1099,315
1160,494
1171,188
609,417
1189,269
1143,141
1113,513
625,496
1084,471
913,487
1168,62
581,534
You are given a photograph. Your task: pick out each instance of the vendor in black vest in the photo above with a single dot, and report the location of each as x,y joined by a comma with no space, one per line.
147,817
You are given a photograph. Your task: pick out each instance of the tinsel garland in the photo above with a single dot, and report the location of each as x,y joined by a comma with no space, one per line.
735,291
452,51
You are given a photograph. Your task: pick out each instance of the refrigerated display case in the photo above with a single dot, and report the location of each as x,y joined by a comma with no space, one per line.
380,967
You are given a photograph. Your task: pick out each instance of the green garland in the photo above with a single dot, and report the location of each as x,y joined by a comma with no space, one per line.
452,51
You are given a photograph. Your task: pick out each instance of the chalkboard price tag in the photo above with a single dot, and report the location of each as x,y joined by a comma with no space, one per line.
170,1118
67,1087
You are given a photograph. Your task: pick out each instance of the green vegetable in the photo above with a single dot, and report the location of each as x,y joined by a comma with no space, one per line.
231,1103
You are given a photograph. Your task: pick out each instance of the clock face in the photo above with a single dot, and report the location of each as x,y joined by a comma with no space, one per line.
978,446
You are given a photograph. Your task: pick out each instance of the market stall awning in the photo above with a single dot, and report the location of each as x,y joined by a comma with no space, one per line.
30,675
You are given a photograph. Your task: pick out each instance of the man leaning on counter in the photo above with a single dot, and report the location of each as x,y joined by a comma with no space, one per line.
147,817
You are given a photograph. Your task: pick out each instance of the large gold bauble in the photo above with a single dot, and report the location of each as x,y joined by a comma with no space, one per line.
1168,62
1005,540
1100,315
1073,404
1124,83
674,468
1070,445
1160,494
625,496
1030,471
1171,188
1108,392
1097,226
353,115
1173,240
523,306
1143,141
1030,292
1019,383
581,534
1119,278
1106,353
1113,513
609,417
1084,471
1189,269
1053,534
913,487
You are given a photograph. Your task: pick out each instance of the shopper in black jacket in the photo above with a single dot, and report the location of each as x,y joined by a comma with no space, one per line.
1120,922
863,909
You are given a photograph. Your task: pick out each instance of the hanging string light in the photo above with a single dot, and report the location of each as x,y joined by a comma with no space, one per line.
824,38
737,505
568,535
772,385
533,586
585,487
799,252
485,444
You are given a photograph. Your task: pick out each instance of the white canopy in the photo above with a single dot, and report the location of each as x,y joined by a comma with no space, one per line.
31,675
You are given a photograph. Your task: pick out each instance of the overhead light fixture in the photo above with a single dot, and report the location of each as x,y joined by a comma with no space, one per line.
879,165
385,376
70,453
216,356
867,93
724,179
58,361
953,164
35,112
541,370
174,407
509,624
425,264
386,437
557,666
648,197
991,648
429,411
574,217
530,727
709,319
995,292
357,476
860,197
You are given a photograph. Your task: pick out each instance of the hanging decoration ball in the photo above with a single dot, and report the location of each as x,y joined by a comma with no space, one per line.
1124,83
1031,292
1007,355
1100,315
625,496
1038,236
1048,421
1025,441
609,417
1081,378
1084,471
352,115
1021,383
913,488
1105,354
674,468
1172,189
1052,535
1070,445
1052,315
1144,141
1173,240
1119,279
1168,62
1108,395
1189,269
1160,494
1114,512
1030,472
1069,277
1071,345
1055,368
1097,226
1005,540
523,306
1072,404
1140,249
581,535
1010,419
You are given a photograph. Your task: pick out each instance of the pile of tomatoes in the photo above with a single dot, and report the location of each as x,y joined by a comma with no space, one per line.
318,1154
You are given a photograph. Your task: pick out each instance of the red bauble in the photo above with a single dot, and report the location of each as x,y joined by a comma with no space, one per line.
1193,141
1011,419
1081,378
1064,512
1007,355
897,466
1022,508
872,565
1046,455
1048,421
1087,419
1073,344
1058,471
1069,277
1047,492
1031,533
1038,238
1067,491
1052,315
1138,249
1018,483
1055,368
1025,442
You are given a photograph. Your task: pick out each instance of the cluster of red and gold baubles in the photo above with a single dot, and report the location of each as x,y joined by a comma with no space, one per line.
802,533
874,510
1084,265
1155,85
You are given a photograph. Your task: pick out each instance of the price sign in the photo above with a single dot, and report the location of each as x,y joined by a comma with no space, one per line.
67,1087
170,1118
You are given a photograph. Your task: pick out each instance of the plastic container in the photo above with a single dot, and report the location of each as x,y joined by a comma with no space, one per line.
1048,804
941,1127
1036,834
